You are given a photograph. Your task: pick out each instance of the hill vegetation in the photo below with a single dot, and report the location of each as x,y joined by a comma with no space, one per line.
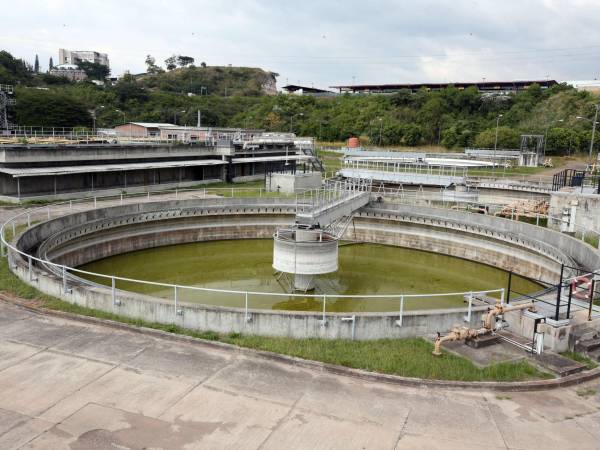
233,97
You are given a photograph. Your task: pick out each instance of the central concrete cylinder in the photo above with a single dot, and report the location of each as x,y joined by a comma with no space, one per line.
305,253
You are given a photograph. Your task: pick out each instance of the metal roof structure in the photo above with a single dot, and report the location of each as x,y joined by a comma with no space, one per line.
306,89
69,170
292,157
483,86
149,124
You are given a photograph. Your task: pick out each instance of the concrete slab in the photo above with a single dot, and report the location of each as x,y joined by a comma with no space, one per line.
410,442
106,345
264,379
438,417
235,421
347,399
37,383
11,314
486,356
529,432
23,432
44,332
305,430
100,427
11,353
178,395
125,389
190,361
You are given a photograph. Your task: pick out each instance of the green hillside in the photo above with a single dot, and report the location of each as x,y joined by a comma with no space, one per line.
222,81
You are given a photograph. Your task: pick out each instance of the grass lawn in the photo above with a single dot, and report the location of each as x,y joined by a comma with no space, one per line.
406,357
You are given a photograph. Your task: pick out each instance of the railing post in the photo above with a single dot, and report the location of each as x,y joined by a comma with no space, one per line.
148,195
570,297
324,321
175,298
121,198
509,287
14,228
28,220
401,311
64,280
70,204
592,288
559,291
502,296
95,202
176,193
113,290
469,309
29,268
48,212
246,315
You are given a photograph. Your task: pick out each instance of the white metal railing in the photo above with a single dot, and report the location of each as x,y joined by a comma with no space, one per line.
431,170
332,193
30,216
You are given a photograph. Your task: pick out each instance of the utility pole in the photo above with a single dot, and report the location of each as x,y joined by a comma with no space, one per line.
496,139
593,135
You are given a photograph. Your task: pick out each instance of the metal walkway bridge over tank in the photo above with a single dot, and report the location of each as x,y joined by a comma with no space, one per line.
402,173
337,199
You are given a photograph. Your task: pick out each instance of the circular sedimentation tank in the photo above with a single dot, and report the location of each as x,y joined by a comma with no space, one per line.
364,269
208,264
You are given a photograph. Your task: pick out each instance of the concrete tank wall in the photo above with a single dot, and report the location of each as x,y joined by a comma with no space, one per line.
103,232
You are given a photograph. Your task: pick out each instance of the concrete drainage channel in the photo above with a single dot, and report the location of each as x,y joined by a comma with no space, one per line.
45,253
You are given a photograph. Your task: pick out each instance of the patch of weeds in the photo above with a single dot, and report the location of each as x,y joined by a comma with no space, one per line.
586,392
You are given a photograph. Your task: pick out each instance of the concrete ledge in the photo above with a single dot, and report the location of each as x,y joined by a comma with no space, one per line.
522,386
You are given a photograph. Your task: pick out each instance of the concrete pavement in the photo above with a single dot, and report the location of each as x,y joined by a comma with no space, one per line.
73,385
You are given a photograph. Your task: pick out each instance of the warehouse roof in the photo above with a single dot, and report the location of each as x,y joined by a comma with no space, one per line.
68,170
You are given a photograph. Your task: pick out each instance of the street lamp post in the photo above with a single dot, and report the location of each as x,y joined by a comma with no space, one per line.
119,111
175,116
496,139
593,135
594,122
546,134
320,129
292,121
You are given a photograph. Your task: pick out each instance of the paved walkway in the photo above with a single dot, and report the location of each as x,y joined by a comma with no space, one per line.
67,384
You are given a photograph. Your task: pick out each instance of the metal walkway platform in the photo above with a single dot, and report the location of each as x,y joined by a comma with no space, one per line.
336,200
440,177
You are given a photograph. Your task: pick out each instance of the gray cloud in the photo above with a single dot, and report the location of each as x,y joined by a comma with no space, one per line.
324,42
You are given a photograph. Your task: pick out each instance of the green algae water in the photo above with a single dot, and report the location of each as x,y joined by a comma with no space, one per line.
245,265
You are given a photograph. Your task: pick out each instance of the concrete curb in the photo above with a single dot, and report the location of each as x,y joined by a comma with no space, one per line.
522,386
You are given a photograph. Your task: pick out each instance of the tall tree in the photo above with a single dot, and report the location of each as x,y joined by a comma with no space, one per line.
94,71
50,64
36,65
171,62
184,60
151,65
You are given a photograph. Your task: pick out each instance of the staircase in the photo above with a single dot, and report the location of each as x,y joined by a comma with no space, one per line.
317,163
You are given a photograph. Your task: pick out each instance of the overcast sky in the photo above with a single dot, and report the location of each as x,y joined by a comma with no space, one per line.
323,42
